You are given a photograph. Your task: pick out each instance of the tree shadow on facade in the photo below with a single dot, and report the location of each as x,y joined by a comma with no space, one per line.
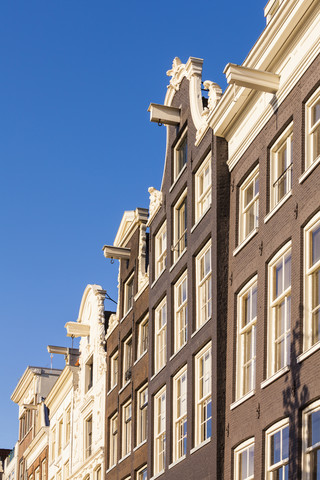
294,397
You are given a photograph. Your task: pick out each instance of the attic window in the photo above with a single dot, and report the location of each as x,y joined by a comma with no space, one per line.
89,374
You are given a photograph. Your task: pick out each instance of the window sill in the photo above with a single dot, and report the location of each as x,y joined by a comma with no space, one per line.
124,386
178,176
199,328
276,207
309,170
175,263
111,468
111,389
308,352
157,475
275,376
140,445
155,281
245,241
127,313
173,464
141,356
197,447
123,458
155,374
242,399
176,353
199,220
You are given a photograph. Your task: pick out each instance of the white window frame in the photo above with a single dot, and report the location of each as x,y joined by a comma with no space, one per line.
177,149
60,435
53,444
142,414
180,414
278,177
159,430
44,469
114,369
89,378
245,332
204,286
312,130
283,462
181,312
309,449
160,320
180,222
244,448
66,470
312,270
161,250
88,429
283,299
249,209
203,395
127,360
203,180
126,430
128,294
143,330
113,440
37,473
140,473
67,432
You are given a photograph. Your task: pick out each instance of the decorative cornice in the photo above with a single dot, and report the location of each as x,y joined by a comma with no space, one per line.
130,221
28,376
67,380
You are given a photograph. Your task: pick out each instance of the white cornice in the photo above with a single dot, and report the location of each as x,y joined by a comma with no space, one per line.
25,382
130,221
67,380
38,444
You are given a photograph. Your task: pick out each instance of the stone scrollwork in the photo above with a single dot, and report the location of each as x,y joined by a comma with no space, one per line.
215,93
176,73
155,202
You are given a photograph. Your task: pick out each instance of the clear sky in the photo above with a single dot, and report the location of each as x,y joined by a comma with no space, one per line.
77,148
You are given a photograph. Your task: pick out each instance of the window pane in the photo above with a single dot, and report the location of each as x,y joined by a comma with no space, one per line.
275,448
316,245
314,428
285,443
279,277
316,113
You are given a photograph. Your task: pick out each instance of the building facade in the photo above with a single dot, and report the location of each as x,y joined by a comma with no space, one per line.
127,353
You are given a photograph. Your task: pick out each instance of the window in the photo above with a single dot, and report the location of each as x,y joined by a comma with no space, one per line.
203,406
279,310
160,431
161,250
203,188
53,444
312,283
313,129
26,421
59,475
44,469
113,426
180,227
114,361
281,167
98,473
128,295
246,338
142,473
180,154
180,414
68,426
66,470
89,374
88,439
311,442
249,205
142,407
143,328
126,428
180,312
277,455
60,436
127,360
204,286
37,474
161,335
244,461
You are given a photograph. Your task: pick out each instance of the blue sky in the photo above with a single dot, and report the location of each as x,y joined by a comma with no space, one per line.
77,148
